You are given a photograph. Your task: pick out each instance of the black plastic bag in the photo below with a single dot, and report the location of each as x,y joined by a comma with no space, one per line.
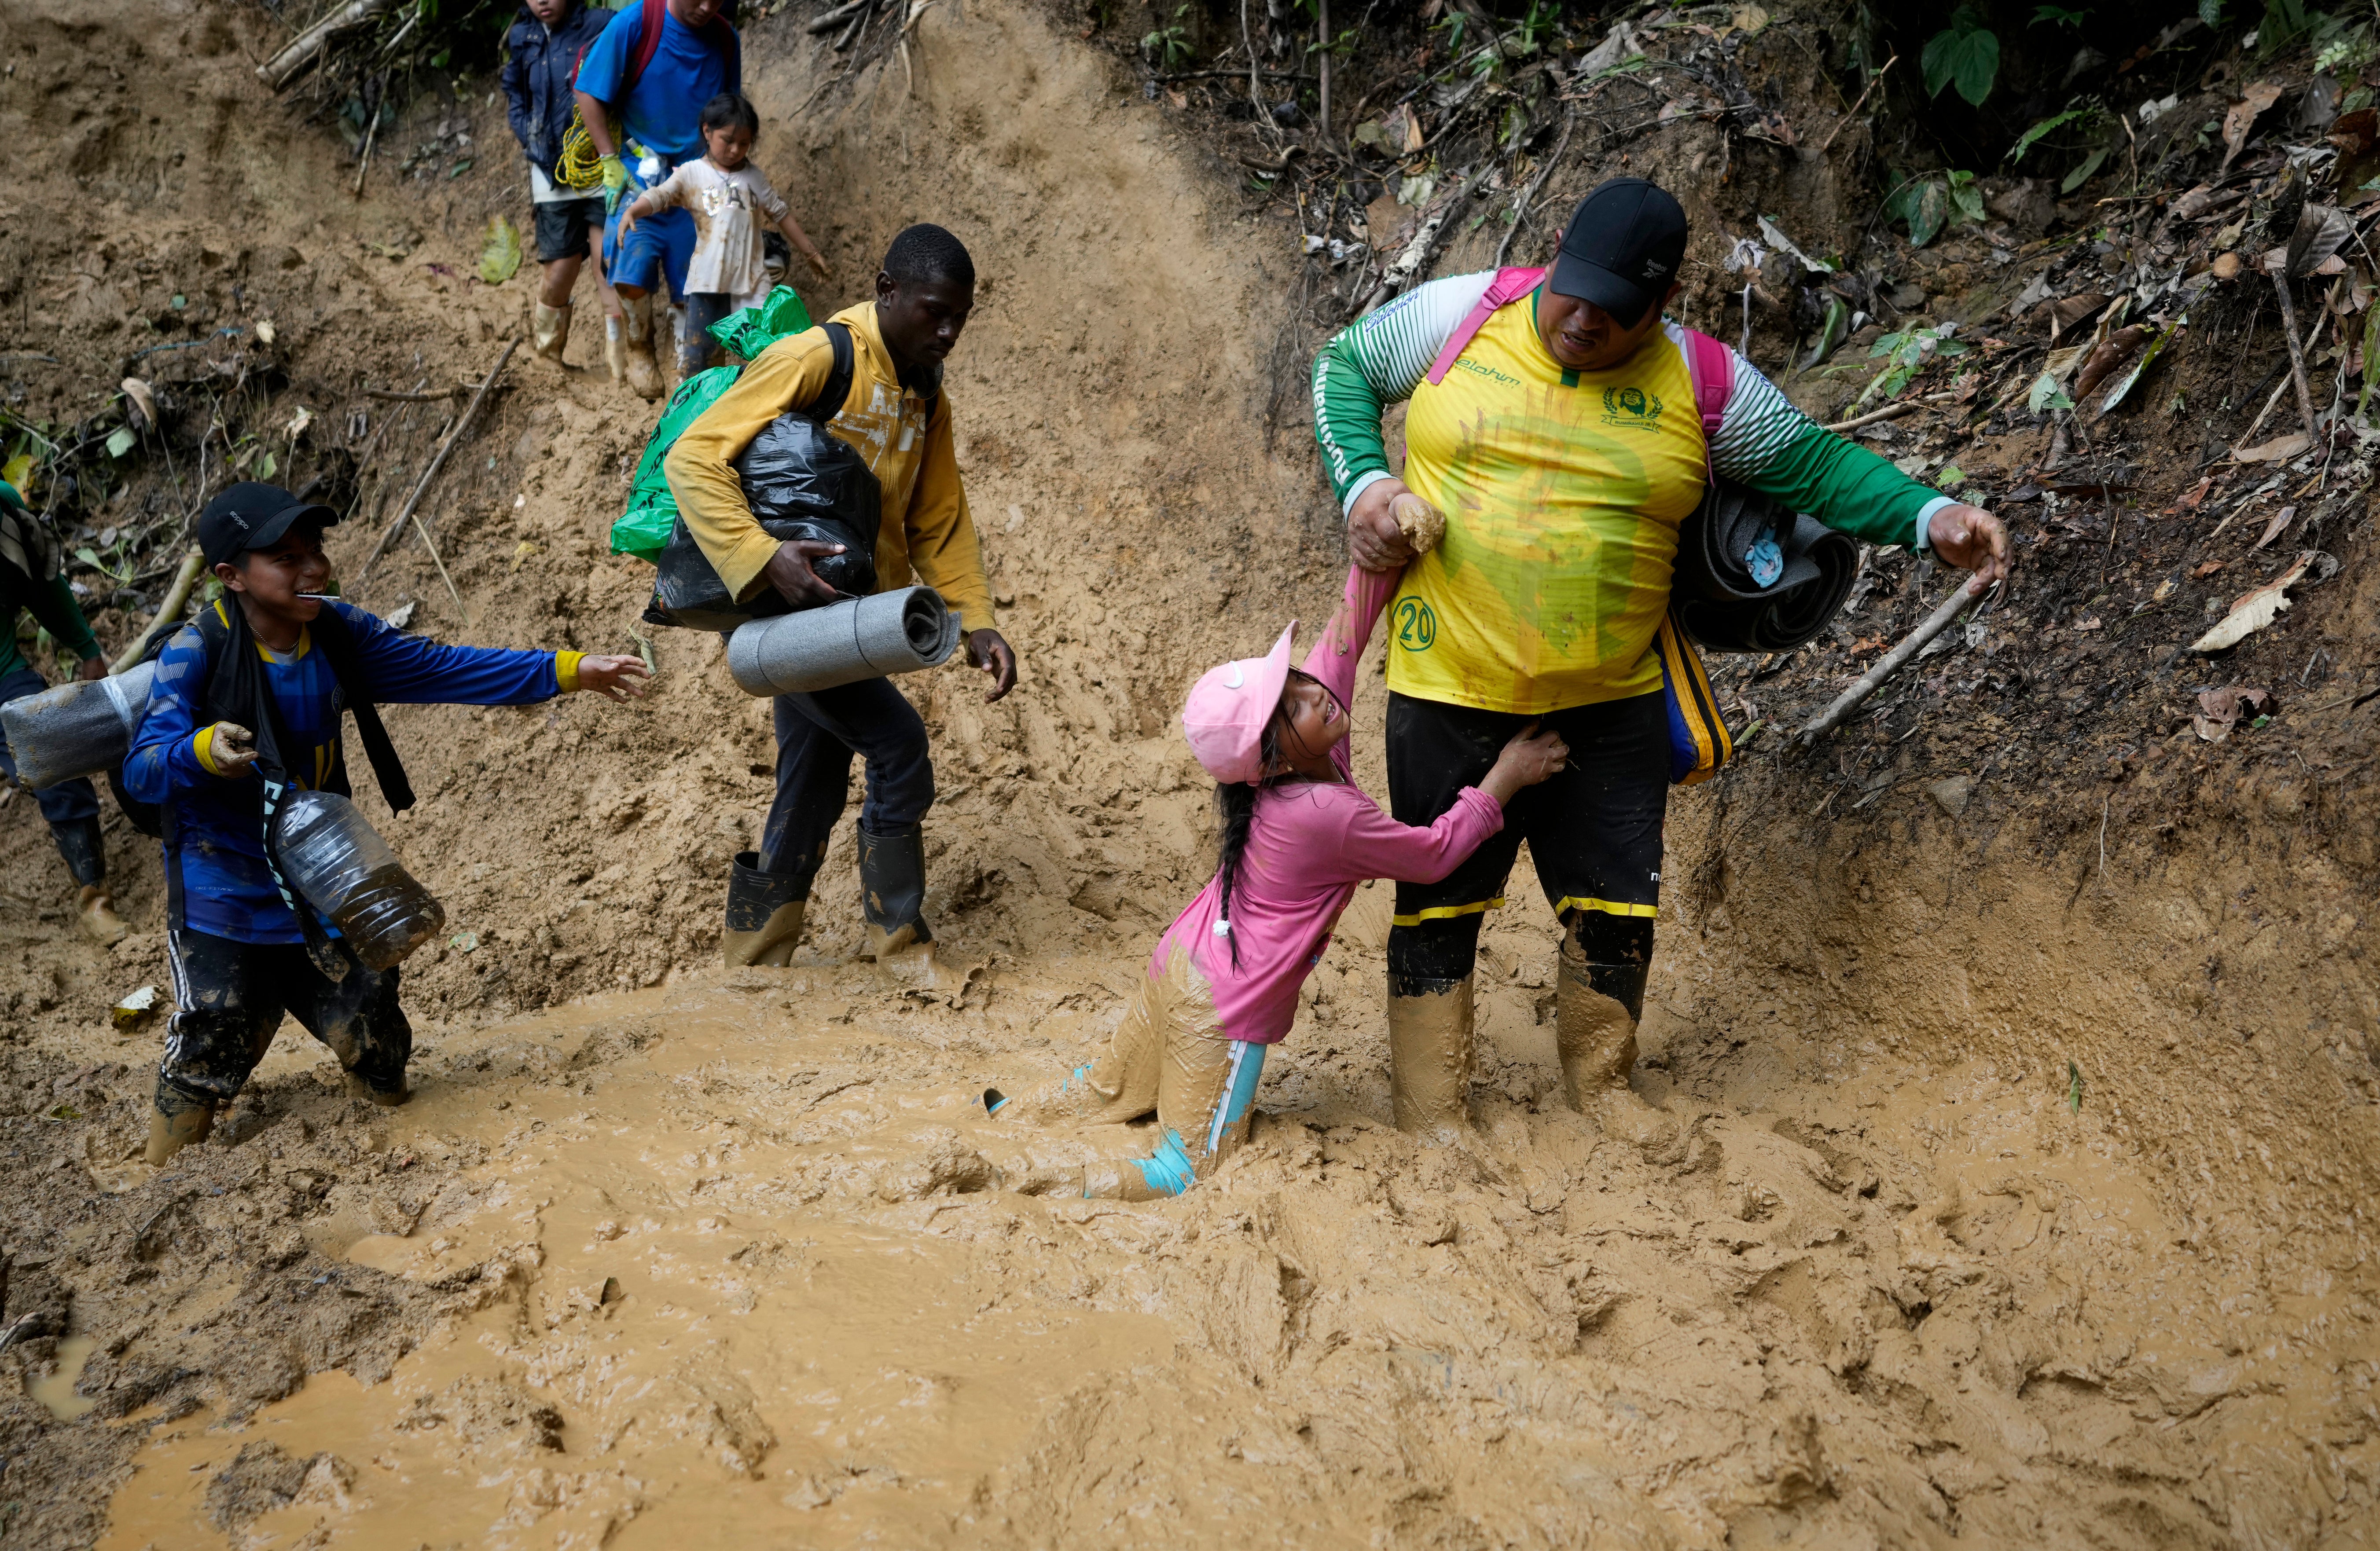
802,482
1751,576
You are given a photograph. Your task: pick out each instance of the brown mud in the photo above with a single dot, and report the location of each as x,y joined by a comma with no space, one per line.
2027,1112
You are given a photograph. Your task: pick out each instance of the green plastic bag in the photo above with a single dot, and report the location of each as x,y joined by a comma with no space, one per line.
645,527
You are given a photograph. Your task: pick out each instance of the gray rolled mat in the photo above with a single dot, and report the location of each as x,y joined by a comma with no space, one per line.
897,632
77,729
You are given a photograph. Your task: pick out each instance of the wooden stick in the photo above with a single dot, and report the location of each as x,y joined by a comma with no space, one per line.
388,537
1860,104
169,612
365,165
393,397
825,20
1888,664
435,559
1322,25
2297,360
283,68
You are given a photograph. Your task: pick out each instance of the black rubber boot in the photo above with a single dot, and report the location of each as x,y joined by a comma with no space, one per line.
892,891
764,913
86,853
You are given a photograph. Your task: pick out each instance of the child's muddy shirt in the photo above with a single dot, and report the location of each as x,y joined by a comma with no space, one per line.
1309,845
727,208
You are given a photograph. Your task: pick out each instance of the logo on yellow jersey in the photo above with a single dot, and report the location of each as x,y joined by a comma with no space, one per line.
1632,407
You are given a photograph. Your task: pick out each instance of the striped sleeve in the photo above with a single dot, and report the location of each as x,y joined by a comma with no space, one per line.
1376,362
1766,443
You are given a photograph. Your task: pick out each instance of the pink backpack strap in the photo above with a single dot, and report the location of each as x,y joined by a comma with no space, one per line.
1510,285
1712,367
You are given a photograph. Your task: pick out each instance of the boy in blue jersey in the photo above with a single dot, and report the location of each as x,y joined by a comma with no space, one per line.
653,69
247,702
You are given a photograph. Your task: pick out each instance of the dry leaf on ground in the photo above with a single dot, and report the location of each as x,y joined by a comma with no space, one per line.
2274,451
2243,117
2253,610
2219,710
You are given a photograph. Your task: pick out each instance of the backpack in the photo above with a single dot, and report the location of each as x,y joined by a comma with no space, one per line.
1699,741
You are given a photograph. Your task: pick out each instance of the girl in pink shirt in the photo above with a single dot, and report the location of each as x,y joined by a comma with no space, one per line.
1298,836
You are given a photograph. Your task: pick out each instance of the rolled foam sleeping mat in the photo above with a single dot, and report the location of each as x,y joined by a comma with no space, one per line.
896,632
77,729
1722,600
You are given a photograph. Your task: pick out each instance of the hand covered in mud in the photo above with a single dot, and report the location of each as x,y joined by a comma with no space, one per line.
1373,536
789,572
987,650
232,750
94,668
1530,758
615,678
1971,539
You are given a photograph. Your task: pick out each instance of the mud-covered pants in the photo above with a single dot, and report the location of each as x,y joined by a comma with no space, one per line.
1171,1055
231,997
816,735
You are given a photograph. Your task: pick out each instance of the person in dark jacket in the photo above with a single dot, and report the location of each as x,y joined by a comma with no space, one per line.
32,580
542,59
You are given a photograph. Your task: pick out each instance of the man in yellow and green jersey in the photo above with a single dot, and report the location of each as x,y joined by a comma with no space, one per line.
1564,447
897,417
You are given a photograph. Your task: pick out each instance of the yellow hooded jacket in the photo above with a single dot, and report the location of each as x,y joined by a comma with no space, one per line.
927,533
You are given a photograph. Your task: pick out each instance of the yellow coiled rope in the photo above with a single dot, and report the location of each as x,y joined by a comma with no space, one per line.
581,166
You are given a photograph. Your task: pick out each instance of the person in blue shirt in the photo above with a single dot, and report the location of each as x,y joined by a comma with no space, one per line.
652,71
32,579
251,696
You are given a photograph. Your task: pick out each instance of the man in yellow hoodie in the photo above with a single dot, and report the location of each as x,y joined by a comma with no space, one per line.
897,415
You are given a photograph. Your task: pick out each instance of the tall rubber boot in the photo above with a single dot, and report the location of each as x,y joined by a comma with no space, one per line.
175,1120
637,329
549,331
1597,1009
892,897
1429,1056
764,919
95,912
615,346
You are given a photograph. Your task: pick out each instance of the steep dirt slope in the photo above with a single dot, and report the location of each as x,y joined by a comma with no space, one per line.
721,1252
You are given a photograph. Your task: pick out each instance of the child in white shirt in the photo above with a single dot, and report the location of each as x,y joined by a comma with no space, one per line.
727,196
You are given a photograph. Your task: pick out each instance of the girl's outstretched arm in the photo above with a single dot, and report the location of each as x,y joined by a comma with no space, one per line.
1341,645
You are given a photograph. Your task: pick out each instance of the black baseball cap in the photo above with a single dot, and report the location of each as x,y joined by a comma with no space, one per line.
1622,249
250,516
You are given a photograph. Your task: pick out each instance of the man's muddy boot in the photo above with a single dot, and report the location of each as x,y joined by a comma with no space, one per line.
1429,1056
177,1121
892,897
636,330
95,912
764,919
615,346
1597,1008
549,331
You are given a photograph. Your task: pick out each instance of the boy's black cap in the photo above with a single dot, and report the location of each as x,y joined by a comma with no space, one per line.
250,516
1622,249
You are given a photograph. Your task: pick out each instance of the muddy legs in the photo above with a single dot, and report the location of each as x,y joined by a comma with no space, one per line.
637,328
177,1121
1429,1055
549,331
764,915
1594,1036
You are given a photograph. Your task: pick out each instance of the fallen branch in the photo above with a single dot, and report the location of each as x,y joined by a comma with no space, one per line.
2296,357
826,20
1889,411
169,612
393,397
462,424
1233,74
1888,664
282,69
1855,107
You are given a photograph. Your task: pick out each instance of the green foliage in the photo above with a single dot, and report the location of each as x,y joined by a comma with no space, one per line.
1925,204
2211,12
2046,394
2284,22
2061,17
500,251
2024,142
1910,353
1168,48
1967,54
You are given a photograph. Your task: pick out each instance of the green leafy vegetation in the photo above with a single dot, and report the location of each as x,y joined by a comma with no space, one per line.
1966,55
1927,202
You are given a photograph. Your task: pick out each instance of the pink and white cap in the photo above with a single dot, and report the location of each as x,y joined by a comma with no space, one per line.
1228,710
